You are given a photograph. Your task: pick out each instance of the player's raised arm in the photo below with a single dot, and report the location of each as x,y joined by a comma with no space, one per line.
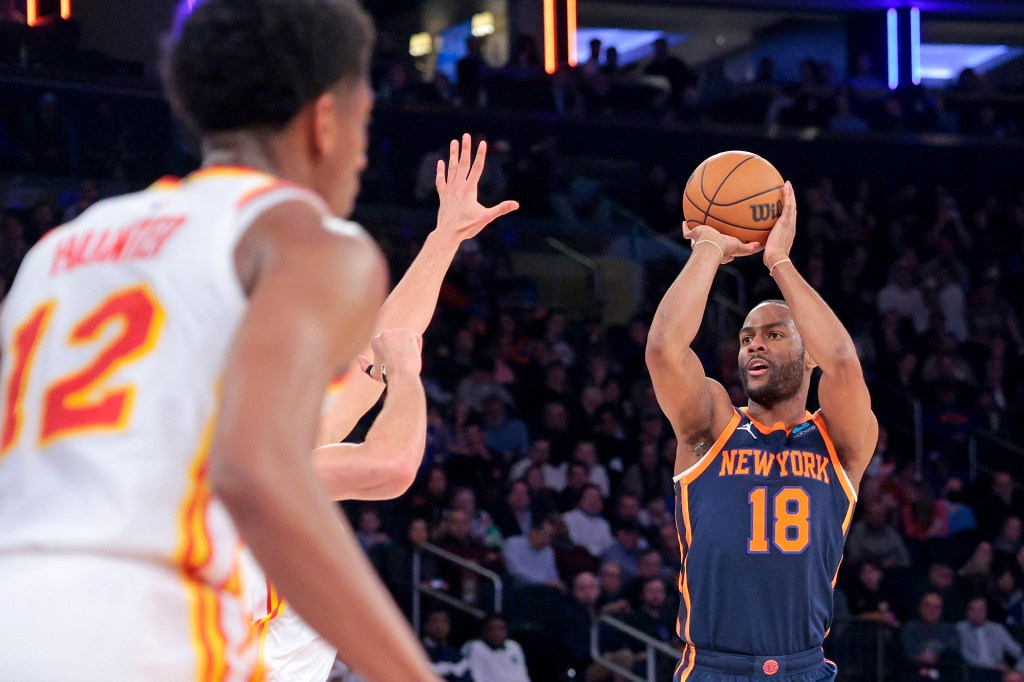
384,465
312,307
697,407
842,392
411,305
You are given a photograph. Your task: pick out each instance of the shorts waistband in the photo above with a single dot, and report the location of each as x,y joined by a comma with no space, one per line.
757,666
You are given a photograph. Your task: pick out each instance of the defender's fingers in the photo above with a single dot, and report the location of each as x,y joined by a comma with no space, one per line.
501,209
477,168
453,160
439,181
464,155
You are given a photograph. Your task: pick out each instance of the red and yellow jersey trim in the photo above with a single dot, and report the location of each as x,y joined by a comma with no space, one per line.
275,607
193,554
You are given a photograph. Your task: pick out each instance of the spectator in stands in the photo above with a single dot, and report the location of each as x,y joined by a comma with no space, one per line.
654,620
576,619
448,662
985,645
1002,501
1008,541
456,539
1007,600
612,589
650,566
586,454
587,527
471,74
515,516
481,527
871,598
902,297
530,560
542,499
647,478
570,557
369,530
431,499
505,435
627,548
941,581
494,657
931,646
577,479
976,573
873,538
844,120
672,68
539,455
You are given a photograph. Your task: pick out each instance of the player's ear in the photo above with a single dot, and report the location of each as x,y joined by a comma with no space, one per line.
324,124
809,362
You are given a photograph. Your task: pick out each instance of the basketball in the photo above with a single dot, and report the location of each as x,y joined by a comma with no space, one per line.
737,193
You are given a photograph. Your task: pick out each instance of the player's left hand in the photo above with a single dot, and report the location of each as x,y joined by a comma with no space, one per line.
460,214
780,239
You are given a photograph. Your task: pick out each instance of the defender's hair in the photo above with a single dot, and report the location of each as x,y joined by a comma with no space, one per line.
237,64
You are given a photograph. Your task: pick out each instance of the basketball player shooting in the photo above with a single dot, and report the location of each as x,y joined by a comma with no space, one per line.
764,493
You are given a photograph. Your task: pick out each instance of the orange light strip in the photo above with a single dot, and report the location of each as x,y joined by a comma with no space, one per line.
550,49
32,12
65,9
570,28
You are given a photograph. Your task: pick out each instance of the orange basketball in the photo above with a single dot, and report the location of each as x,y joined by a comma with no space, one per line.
737,193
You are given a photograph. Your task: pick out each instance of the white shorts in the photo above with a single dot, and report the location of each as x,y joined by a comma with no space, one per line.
83,618
292,651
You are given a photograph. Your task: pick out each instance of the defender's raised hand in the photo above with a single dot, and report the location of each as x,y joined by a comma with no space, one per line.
460,214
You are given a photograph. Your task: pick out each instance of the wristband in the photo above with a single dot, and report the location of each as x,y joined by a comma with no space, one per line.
713,243
771,270
383,372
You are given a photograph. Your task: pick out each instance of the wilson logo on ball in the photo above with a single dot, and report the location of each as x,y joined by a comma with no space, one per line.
760,213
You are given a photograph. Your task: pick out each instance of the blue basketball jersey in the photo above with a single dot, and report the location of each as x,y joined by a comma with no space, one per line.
762,519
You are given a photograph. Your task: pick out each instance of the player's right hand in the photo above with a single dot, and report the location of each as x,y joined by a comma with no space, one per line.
398,352
731,247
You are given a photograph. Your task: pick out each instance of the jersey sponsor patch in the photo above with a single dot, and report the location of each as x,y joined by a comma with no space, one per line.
803,430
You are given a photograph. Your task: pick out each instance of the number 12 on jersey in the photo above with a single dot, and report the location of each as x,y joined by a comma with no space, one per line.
82,400
790,526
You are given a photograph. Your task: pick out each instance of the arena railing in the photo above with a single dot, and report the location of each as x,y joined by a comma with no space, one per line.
988,453
465,605
863,649
652,646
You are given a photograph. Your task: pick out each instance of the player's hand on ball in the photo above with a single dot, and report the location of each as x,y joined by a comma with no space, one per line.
731,247
460,215
780,239
396,353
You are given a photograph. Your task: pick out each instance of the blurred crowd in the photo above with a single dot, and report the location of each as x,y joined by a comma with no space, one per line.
665,89
548,459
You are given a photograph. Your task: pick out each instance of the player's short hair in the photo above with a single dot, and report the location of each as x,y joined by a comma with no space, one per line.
771,301
241,64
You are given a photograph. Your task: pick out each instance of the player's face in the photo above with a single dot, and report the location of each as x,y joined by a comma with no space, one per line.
346,155
772,361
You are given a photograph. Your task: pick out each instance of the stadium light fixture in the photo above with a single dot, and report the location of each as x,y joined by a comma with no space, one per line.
892,25
915,45
550,45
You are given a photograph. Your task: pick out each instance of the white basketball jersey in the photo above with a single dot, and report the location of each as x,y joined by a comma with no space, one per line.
114,338
289,649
